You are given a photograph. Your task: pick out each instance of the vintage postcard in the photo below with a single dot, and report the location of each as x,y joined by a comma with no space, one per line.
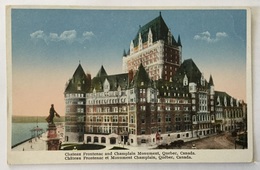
118,85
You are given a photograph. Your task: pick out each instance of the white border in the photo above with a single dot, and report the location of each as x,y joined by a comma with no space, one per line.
255,52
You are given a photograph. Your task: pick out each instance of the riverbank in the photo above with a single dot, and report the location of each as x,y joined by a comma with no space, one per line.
38,143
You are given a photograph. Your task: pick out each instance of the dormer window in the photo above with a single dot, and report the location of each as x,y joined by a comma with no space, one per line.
169,37
150,37
185,80
140,44
132,47
202,80
225,101
106,86
79,86
218,101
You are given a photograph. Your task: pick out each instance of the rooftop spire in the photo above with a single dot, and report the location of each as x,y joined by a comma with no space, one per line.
179,40
211,81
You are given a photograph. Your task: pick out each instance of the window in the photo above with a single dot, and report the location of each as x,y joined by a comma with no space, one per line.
114,119
177,118
79,87
159,129
132,119
106,118
80,102
142,108
91,129
143,119
168,118
178,128
158,118
186,118
124,119
142,131
80,110
98,119
168,129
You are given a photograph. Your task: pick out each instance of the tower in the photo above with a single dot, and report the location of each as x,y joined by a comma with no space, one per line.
155,47
75,98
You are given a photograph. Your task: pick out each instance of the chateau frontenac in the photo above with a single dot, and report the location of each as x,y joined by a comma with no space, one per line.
157,97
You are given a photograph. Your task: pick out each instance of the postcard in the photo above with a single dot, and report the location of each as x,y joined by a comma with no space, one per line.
120,85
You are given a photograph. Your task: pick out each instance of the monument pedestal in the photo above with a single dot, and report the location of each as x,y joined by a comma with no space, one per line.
53,140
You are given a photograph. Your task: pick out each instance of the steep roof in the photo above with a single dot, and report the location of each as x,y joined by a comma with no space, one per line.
141,77
211,83
159,30
191,70
179,41
79,82
101,72
114,81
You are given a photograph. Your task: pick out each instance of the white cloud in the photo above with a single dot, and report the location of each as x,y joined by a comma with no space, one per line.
221,34
54,37
68,36
206,36
87,35
38,35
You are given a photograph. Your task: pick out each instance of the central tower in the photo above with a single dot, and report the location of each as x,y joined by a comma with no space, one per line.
156,48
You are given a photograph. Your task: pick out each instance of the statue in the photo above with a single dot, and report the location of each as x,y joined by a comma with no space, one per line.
53,113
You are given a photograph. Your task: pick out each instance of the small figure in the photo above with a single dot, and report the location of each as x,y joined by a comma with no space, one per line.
49,119
158,137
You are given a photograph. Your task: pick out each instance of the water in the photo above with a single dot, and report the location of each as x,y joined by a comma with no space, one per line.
21,131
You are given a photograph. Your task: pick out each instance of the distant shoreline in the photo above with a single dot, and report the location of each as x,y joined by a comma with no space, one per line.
34,119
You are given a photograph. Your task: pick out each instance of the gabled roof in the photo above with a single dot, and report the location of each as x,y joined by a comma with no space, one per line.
101,72
159,30
211,83
79,79
141,77
190,69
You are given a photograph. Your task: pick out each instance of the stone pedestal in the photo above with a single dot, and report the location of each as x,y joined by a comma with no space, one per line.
53,140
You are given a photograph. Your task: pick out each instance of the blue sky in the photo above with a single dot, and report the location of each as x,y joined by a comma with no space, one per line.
47,45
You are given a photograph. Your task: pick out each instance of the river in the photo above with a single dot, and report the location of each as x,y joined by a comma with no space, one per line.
22,131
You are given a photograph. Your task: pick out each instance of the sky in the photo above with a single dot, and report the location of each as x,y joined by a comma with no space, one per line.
48,44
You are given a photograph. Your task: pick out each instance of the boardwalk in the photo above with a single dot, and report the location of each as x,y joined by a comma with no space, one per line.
37,143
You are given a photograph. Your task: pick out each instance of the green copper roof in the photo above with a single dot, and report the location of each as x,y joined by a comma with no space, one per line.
141,77
191,70
159,31
114,81
79,82
101,72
